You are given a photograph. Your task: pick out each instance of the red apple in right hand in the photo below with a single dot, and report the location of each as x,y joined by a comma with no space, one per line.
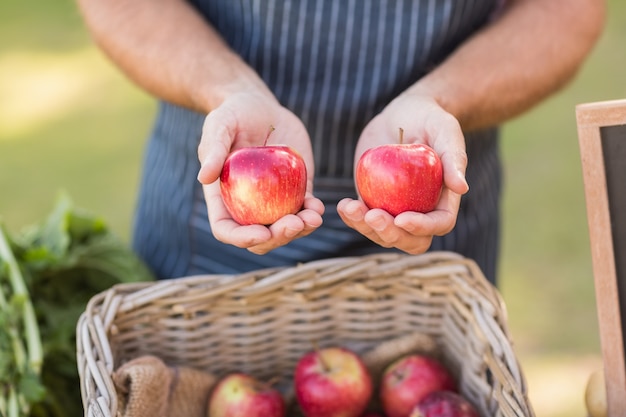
400,177
241,395
261,184
408,380
332,382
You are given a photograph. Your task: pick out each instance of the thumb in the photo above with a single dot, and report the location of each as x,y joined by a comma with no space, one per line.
213,150
454,165
449,143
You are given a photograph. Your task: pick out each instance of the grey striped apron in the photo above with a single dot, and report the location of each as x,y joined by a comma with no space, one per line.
335,64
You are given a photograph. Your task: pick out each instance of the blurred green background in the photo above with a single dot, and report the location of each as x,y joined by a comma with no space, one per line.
70,121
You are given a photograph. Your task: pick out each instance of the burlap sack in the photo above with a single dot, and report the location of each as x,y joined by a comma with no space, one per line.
147,387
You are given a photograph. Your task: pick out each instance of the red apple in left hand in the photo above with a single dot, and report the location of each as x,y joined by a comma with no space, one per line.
332,382
241,395
400,177
261,184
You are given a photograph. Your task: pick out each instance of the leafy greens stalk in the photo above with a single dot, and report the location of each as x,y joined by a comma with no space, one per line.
19,379
64,260
33,340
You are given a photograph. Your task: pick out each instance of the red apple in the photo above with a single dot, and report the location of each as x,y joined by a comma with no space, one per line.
332,382
241,395
400,177
261,184
444,404
408,380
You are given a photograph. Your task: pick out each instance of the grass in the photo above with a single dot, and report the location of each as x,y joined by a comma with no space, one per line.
546,248
547,276
69,120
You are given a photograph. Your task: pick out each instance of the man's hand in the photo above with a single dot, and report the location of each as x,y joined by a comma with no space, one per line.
423,120
244,119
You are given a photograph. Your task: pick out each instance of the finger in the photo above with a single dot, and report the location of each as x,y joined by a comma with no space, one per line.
417,245
313,203
353,213
311,215
387,233
449,143
283,231
454,165
435,223
215,144
224,228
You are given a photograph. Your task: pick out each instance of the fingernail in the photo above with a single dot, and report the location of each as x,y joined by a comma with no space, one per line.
200,172
201,177
462,177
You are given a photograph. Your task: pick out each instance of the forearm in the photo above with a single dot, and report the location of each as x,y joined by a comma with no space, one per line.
167,48
530,52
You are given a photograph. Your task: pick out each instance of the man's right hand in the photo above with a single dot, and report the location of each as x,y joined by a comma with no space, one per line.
243,120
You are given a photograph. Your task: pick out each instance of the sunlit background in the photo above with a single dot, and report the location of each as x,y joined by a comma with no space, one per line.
70,121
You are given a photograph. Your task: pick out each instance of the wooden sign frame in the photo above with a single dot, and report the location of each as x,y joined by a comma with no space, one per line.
602,141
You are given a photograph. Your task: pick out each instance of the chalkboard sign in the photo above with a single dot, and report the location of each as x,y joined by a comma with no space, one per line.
602,140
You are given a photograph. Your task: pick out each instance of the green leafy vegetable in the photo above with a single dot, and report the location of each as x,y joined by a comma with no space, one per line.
48,273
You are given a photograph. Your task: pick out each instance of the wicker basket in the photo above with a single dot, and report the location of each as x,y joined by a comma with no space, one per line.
262,322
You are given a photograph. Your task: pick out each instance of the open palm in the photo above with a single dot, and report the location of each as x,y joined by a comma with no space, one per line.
245,120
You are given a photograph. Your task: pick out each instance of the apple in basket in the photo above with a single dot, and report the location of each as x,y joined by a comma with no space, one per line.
400,177
406,381
444,404
332,382
261,184
241,395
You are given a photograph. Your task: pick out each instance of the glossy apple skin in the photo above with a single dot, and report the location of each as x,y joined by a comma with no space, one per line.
241,395
332,382
444,404
400,177
259,185
408,380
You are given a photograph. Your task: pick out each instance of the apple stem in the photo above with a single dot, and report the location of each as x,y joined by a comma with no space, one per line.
401,135
325,365
269,132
